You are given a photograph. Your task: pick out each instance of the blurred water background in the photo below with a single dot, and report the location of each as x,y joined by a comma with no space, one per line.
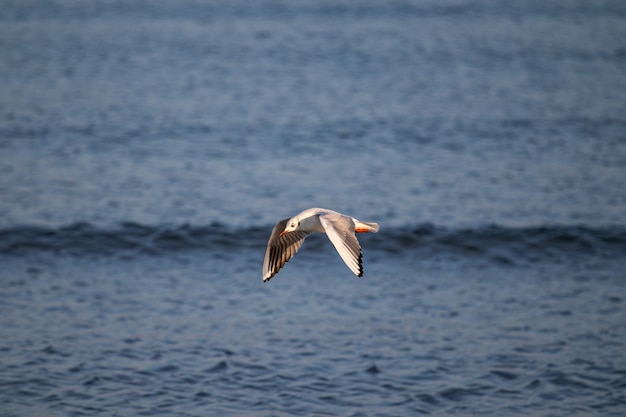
147,148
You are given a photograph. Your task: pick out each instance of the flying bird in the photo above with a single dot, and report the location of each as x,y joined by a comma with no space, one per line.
288,235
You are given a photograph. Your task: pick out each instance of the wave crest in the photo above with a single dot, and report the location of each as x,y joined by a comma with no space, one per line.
498,242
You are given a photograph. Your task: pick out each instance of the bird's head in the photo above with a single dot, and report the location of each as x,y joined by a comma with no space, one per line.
292,225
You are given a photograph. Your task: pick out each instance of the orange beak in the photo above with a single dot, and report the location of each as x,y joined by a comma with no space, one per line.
282,233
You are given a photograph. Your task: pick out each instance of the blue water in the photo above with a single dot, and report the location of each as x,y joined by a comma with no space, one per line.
148,148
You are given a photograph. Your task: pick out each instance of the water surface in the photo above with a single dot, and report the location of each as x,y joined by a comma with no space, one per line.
148,148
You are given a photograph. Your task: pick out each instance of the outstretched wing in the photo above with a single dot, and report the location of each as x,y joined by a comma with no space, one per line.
340,231
280,249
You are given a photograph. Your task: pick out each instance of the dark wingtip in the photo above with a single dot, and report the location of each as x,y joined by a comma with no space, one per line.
360,265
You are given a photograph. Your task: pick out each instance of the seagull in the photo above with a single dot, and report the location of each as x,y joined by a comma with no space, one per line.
288,235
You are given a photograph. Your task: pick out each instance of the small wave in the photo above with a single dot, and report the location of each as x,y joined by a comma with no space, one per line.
499,243
508,244
86,238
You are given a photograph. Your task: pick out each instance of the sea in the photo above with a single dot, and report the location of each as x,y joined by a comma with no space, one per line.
148,148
